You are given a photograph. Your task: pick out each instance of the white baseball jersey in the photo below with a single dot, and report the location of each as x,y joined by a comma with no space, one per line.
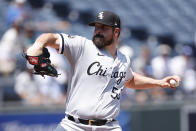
96,78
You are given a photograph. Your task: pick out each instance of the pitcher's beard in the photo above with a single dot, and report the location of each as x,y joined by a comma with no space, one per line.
100,42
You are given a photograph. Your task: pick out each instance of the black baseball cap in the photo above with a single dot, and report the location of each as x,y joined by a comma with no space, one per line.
107,18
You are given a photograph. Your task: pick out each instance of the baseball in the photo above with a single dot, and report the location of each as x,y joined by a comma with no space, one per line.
173,83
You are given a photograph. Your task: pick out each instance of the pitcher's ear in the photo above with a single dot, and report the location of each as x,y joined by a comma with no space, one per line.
117,32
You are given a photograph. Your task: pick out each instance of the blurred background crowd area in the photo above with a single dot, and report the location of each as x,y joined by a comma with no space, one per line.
159,36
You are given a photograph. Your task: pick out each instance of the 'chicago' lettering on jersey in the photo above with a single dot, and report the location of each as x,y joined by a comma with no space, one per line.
97,69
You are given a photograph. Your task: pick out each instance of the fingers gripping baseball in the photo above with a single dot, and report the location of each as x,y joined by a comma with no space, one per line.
171,82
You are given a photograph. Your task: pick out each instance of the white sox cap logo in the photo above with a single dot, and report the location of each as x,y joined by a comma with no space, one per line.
100,16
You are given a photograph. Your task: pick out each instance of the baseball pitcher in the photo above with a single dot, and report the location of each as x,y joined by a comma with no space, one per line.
99,72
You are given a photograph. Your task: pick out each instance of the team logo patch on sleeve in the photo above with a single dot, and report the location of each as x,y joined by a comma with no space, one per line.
71,36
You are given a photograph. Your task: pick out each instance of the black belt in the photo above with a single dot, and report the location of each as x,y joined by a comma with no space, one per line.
89,122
